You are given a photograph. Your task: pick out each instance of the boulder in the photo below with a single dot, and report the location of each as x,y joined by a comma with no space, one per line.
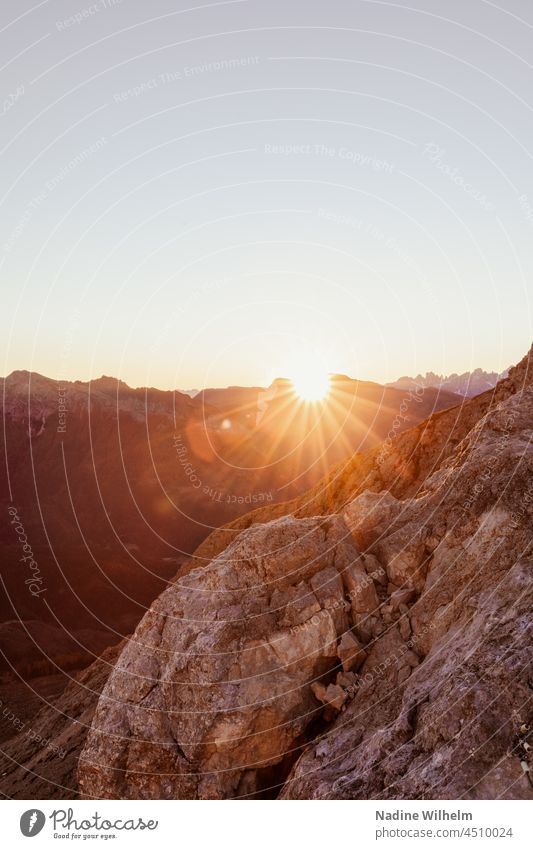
350,652
217,685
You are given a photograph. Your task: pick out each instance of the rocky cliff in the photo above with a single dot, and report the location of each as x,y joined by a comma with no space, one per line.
369,640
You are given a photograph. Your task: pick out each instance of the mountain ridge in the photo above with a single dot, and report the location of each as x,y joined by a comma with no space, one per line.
429,380
468,384
393,520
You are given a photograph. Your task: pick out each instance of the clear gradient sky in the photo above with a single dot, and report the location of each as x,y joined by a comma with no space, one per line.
195,194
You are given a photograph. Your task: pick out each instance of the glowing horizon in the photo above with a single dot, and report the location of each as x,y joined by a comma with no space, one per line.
188,216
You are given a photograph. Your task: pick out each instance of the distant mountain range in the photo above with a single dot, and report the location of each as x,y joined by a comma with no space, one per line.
468,384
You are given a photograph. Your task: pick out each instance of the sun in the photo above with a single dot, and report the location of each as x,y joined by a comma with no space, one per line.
310,383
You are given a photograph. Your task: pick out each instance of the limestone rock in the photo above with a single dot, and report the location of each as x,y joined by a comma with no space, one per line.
360,589
369,515
217,693
405,627
442,710
216,687
335,696
351,652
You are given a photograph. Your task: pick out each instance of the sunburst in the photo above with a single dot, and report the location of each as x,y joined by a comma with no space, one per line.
310,381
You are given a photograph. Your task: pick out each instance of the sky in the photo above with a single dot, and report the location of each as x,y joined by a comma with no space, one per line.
203,194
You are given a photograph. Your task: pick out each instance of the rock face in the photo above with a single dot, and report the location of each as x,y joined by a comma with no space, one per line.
380,651
214,694
447,686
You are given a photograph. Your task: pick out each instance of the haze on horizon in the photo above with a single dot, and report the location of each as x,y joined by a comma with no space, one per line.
209,197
